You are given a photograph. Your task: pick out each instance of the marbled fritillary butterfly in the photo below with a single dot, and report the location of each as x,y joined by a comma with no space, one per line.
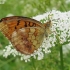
25,34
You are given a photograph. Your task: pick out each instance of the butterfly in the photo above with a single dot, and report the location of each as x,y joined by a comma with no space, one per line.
25,34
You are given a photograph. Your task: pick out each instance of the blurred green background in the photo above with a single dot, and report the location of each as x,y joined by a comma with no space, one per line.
31,8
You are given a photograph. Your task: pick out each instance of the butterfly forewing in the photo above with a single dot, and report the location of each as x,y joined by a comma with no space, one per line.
25,34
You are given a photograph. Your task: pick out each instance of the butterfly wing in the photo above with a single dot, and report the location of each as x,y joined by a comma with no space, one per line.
25,34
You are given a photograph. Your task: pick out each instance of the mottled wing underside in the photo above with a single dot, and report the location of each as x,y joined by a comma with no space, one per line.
25,34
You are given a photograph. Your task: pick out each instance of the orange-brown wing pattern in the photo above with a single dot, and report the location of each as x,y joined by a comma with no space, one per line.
25,34
14,23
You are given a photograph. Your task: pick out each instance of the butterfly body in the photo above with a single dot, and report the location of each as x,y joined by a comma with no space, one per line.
25,34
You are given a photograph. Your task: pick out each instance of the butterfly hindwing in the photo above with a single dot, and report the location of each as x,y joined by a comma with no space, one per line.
25,34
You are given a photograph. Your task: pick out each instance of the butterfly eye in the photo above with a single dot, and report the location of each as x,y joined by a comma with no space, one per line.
48,24
0,20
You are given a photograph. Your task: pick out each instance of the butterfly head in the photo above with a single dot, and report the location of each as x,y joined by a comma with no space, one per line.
48,27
